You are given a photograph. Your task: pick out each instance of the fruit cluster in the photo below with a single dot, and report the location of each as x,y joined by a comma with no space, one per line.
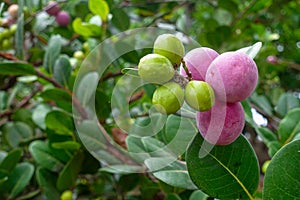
62,18
7,37
210,83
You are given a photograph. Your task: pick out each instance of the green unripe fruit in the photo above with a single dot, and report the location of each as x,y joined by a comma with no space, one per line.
155,68
79,55
66,195
7,44
265,166
169,46
13,29
199,95
168,98
6,33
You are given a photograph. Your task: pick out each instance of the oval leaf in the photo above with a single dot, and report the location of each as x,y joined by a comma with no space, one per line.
282,175
289,126
14,68
11,160
226,172
59,122
52,52
68,175
285,103
42,155
99,7
62,70
47,181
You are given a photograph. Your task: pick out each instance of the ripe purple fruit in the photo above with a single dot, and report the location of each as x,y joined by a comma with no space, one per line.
222,124
198,61
233,76
62,18
52,8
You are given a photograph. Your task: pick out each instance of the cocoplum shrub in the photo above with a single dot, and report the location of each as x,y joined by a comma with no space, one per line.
198,61
234,72
222,124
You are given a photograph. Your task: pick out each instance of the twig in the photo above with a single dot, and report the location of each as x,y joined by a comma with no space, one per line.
49,79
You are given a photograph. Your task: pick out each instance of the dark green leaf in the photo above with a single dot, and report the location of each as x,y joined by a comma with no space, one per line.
47,181
99,7
62,70
17,132
24,115
11,160
19,178
86,29
273,147
172,197
60,122
60,97
14,68
44,157
52,52
67,145
120,19
68,175
285,103
289,126
3,100
266,134
19,35
282,175
226,172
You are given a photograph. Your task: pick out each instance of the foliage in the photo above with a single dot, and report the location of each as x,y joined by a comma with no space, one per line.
46,120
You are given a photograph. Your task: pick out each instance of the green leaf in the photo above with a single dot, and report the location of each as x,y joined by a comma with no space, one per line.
176,176
62,70
289,126
226,172
87,87
262,102
52,52
44,157
198,195
47,181
67,145
60,97
60,122
17,132
19,178
19,35
266,134
285,103
253,50
99,7
273,147
172,196
122,169
282,176
39,114
68,175
248,113
120,19
24,115
3,100
10,161
15,68
86,29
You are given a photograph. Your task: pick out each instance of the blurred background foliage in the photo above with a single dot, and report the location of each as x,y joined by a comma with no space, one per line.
42,158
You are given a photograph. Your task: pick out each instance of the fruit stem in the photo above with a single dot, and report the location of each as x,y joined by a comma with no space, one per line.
188,73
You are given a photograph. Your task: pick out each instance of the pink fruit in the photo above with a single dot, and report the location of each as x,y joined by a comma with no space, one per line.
233,76
62,18
198,61
272,59
222,124
13,10
52,8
